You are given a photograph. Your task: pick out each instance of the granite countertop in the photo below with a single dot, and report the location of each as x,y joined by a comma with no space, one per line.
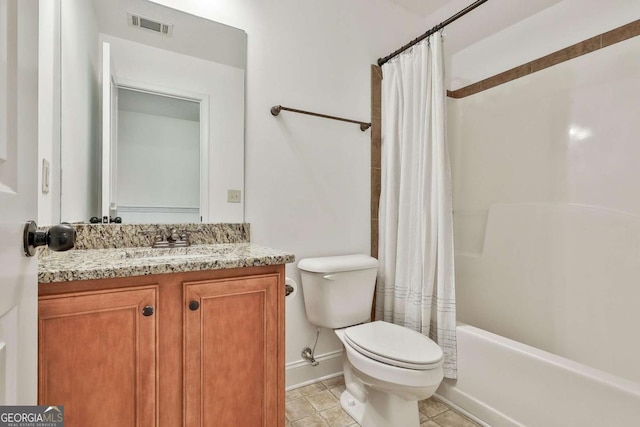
91,264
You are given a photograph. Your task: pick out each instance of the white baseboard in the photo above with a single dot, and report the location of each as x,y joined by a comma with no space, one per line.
301,373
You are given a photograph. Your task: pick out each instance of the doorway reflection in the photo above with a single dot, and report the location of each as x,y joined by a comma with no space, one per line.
157,170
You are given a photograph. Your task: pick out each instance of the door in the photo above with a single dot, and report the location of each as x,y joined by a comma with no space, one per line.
107,340
231,352
18,200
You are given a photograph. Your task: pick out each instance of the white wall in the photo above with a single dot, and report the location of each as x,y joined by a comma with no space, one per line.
307,179
79,112
545,173
222,85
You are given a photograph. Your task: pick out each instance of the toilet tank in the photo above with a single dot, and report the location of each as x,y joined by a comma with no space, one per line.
338,290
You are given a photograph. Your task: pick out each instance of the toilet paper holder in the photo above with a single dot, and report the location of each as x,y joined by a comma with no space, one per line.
288,290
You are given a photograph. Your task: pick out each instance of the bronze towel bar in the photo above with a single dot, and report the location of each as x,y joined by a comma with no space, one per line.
276,110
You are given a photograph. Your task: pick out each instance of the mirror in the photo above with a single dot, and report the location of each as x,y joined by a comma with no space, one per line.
118,159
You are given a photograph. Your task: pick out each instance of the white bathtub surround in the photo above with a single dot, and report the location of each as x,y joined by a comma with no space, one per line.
548,233
416,286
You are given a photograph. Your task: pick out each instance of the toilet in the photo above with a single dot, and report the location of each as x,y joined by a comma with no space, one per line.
387,368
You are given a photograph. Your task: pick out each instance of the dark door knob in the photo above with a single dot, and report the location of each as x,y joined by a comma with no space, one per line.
194,305
59,238
147,311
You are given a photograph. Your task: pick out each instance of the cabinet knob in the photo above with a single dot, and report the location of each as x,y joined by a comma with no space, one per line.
194,305
147,311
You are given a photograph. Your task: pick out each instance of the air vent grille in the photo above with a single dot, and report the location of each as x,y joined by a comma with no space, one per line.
150,25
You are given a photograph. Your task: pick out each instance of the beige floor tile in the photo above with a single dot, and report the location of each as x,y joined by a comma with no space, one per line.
336,417
432,407
292,395
334,382
297,409
312,421
323,400
311,389
318,405
453,419
337,391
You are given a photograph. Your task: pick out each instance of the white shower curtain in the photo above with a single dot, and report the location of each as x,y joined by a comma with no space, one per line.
416,285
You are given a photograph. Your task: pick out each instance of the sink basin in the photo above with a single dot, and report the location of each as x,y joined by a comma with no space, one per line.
184,253
184,257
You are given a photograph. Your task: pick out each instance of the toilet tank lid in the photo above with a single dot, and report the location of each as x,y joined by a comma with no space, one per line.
335,264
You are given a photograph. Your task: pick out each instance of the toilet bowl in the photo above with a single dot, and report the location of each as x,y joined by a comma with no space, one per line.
387,368
384,382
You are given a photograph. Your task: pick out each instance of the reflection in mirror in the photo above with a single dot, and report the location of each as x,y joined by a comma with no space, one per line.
189,59
157,134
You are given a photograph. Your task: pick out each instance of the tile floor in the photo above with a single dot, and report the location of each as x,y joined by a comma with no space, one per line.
318,405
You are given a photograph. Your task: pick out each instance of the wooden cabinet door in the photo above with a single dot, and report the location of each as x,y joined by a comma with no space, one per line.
232,351
98,357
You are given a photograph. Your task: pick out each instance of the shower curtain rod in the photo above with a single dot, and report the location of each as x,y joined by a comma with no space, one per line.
276,110
437,28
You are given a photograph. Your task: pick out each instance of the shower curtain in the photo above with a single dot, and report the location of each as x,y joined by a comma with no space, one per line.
416,285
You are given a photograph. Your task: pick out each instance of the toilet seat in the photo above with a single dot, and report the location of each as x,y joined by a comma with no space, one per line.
374,373
394,345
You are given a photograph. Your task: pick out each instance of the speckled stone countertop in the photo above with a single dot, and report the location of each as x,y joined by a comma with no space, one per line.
106,236
126,262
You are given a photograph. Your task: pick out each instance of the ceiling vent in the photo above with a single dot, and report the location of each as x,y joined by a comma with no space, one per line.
148,24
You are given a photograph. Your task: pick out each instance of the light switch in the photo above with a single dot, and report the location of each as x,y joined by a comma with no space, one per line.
46,172
234,196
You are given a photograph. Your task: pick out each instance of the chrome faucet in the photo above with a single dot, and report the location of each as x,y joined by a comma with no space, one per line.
175,239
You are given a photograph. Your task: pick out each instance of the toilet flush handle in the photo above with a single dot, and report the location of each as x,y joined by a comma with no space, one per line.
329,277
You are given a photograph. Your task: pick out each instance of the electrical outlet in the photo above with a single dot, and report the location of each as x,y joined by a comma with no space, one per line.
234,196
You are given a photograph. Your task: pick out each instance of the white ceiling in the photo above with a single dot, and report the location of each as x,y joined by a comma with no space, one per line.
487,19
421,7
192,35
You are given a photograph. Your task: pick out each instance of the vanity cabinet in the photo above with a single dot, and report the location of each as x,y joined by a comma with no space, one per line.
211,353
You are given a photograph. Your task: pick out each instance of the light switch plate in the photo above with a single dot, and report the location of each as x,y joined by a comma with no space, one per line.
46,173
234,196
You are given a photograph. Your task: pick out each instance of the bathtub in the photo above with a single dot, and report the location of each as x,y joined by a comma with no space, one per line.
502,382
547,299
